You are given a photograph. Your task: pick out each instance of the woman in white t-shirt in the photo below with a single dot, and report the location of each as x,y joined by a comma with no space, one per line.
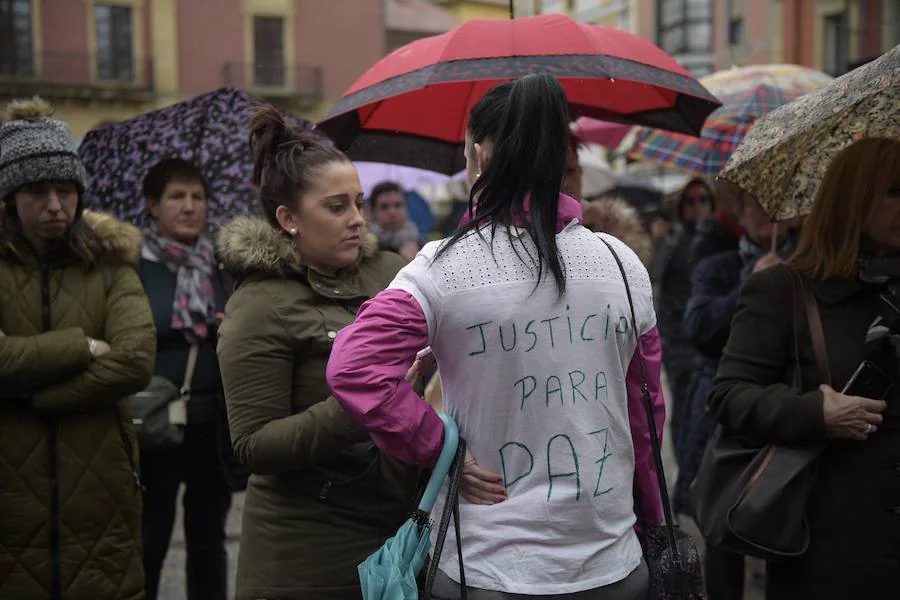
527,315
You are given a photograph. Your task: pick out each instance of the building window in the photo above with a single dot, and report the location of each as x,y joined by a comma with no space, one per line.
115,42
625,19
556,6
16,45
736,32
896,16
837,44
268,49
685,26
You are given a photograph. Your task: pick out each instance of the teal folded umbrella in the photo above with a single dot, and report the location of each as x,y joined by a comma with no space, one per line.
390,573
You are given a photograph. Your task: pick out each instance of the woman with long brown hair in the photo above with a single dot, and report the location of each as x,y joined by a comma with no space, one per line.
849,255
321,497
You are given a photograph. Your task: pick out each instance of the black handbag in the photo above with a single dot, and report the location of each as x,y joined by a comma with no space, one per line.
159,411
676,571
751,498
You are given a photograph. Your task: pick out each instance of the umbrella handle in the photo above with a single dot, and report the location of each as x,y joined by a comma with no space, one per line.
444,462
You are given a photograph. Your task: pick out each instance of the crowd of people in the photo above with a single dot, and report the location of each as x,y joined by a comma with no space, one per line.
296,334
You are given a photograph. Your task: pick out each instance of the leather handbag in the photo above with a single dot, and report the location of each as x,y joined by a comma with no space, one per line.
750,498
676,571
159,411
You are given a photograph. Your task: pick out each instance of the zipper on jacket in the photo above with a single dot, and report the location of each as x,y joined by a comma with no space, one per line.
325,489
52,455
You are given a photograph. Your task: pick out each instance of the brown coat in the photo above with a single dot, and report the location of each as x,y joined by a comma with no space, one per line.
616,217
64,432
321,498
854,513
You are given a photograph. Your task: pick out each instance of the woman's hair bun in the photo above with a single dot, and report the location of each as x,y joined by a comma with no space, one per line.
268,131
271,134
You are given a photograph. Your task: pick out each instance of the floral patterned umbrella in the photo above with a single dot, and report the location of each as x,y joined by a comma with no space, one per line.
211,130
747,93
785,155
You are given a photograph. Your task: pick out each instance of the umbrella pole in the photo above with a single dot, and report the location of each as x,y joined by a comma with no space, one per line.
512,9
775,237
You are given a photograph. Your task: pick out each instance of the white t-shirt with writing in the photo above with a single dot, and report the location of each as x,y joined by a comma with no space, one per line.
537,386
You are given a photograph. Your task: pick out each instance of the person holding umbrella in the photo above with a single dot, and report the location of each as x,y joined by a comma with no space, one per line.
848,254
560,471
321,497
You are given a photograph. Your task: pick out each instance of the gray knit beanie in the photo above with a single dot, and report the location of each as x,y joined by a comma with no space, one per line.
35,147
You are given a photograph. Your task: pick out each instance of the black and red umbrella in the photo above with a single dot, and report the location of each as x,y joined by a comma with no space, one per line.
411,108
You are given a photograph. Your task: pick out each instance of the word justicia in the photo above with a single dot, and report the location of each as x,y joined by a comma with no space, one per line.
546,333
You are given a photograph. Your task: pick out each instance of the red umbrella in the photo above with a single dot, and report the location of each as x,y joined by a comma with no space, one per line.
602,133
411,108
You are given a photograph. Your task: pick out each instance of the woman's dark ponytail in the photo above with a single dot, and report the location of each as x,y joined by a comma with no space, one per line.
286,159
528,122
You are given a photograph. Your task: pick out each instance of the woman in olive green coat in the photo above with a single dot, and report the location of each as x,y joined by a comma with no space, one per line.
321,498
76,338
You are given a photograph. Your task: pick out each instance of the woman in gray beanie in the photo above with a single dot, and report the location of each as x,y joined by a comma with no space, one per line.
76,337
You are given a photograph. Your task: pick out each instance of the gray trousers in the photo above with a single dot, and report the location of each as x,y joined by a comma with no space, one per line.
634,587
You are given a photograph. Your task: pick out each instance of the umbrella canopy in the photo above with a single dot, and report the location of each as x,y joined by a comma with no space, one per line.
390,573
782,160
602,133
409,178
211,130
747,93
412,107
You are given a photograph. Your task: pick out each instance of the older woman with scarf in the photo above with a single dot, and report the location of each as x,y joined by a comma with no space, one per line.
187,295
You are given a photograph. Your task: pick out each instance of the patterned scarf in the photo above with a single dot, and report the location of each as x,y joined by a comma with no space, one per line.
398,238
194,308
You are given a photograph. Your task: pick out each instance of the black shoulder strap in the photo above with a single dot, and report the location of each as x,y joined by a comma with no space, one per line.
648,405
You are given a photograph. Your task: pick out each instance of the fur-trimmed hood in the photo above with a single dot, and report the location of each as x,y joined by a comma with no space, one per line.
103,239
619,219
251,245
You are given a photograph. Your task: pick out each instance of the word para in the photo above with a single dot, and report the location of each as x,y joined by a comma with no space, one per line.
572,387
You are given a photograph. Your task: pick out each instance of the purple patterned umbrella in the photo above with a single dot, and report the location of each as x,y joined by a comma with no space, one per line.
211,130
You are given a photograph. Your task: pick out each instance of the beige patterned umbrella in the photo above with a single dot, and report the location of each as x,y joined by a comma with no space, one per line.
783,158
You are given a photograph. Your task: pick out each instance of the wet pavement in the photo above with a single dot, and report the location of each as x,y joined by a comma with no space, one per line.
173,584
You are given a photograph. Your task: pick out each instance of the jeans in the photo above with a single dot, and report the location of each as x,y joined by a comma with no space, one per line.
207,500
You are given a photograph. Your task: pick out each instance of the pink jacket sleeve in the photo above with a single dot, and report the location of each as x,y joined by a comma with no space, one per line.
647,501
367,375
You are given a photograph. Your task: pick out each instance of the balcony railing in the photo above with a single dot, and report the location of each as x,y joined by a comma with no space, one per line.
66,75
298,85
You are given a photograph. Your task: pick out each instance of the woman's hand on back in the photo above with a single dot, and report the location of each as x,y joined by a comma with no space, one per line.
851,417
409,250
419,368
480,486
